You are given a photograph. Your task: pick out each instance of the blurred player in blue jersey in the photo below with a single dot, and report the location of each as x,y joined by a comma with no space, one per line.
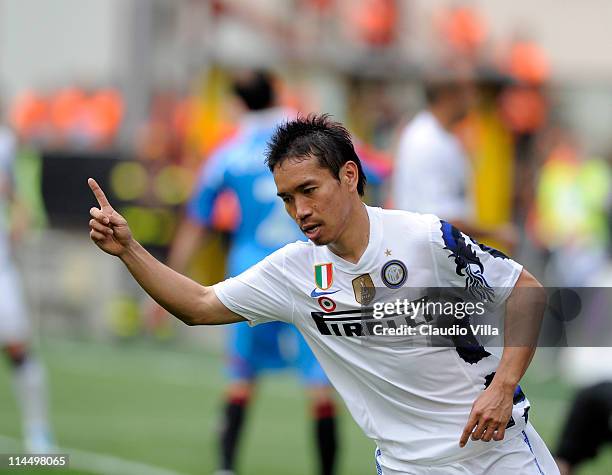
264,226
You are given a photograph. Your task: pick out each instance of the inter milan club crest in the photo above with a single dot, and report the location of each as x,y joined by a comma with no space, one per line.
364,289
324,276
394,274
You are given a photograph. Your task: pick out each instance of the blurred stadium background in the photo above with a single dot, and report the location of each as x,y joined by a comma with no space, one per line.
133,92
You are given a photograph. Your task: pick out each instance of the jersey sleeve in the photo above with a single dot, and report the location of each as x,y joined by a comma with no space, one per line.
460,260
212,180
261,293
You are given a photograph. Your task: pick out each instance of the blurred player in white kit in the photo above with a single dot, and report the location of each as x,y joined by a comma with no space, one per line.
28,375
432,170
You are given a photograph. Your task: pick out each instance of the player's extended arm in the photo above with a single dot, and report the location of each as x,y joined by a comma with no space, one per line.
183,247
187,300
524,312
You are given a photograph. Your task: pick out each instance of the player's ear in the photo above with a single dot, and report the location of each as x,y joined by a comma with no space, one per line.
349,175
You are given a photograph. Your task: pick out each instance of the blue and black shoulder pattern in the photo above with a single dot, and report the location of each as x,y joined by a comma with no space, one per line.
467,262
491,250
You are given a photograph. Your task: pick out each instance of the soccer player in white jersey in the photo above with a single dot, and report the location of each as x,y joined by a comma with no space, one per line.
430,410
28,375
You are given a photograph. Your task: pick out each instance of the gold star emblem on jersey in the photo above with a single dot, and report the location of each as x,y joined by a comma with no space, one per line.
364,289
388,252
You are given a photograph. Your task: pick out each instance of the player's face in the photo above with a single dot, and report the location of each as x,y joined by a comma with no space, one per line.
317,201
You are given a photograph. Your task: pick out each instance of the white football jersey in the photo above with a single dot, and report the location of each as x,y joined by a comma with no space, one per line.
412,400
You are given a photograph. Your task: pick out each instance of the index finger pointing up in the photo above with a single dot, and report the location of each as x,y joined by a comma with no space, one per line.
99,194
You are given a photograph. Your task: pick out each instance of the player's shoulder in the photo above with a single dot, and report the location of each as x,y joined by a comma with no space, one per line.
217,158
298,249
409,227
287,259
293,250
222,159
400,219
406,227
230,148
421,126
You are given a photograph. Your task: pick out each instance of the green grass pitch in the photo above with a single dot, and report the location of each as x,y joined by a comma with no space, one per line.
139,408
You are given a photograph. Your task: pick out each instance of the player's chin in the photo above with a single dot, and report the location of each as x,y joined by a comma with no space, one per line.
318,242
321,240
318,237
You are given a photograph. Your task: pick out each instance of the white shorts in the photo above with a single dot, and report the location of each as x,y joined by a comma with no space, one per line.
525,454
14,324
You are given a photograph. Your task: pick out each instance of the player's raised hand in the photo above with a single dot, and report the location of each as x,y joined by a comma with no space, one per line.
107,228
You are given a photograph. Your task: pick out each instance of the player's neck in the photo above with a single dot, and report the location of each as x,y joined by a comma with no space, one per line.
353,242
